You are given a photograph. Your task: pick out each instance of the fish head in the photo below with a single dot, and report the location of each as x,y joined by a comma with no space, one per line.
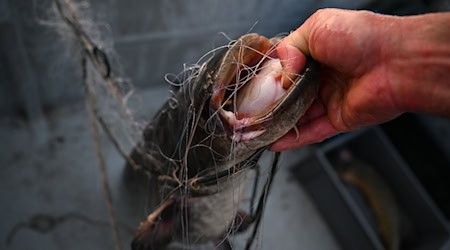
255,106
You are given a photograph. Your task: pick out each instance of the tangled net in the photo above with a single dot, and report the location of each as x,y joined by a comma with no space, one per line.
107,96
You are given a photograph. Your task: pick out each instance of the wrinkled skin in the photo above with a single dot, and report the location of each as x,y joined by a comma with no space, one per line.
370,75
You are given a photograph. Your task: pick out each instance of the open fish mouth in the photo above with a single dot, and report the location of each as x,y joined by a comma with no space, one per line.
211,132
234,106
255,105
207,136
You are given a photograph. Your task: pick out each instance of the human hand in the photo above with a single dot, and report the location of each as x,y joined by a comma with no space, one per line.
374,68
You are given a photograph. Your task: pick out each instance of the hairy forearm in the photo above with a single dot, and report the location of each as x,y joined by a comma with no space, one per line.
420,66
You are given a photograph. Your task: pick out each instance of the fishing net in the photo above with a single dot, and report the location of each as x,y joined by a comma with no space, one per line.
108,97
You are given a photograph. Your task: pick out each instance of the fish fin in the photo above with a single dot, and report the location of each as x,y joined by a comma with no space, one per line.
156,232
242,222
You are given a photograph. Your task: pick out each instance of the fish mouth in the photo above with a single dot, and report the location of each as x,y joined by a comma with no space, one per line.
249,95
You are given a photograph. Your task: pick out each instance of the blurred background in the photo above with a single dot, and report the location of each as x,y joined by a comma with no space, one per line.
50,190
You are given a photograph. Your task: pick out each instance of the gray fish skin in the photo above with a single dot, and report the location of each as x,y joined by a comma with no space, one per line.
187,139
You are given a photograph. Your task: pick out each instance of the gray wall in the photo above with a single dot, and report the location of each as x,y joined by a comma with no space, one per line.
40,70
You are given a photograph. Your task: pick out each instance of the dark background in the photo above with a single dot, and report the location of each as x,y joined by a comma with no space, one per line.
47,159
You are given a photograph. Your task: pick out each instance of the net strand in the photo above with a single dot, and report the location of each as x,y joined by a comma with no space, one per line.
100,63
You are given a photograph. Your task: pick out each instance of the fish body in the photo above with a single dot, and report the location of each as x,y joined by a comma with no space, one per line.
201,148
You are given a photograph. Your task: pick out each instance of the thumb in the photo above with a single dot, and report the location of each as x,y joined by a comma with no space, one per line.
292,52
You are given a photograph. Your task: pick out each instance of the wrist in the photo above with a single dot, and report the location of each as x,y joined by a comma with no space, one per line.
419,68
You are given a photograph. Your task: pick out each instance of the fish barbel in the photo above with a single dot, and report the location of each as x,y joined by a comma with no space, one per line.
210,133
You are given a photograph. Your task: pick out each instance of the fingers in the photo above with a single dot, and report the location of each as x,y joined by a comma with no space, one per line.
337,38
292,52
325,36
292,60
299,38
316,110
313,132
